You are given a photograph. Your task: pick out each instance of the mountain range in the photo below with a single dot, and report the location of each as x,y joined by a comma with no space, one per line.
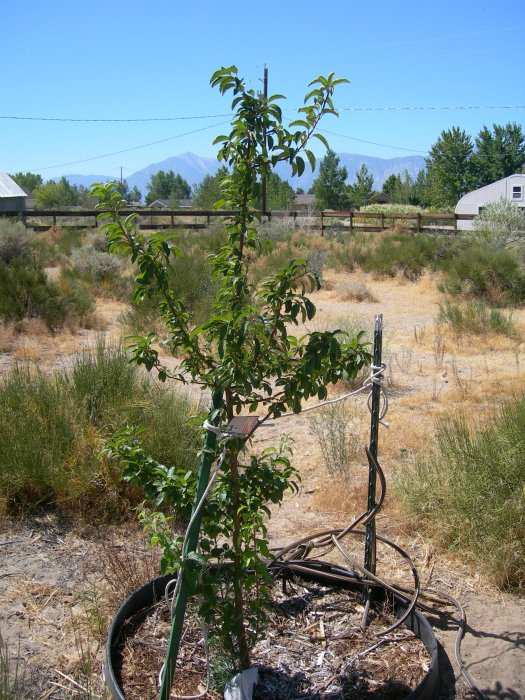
194,168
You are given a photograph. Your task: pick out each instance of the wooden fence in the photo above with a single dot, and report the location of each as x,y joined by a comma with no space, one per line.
372,221
44,219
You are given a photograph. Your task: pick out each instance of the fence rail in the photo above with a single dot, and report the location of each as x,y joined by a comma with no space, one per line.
201,218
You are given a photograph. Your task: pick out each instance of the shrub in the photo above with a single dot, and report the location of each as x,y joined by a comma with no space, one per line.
390,254
501,223
470,491
476,318
483,271
52,429
400,253
26,292
96,265
12,675
14,241
355,291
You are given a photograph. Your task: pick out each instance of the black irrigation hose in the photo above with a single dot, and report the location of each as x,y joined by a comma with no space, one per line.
295,559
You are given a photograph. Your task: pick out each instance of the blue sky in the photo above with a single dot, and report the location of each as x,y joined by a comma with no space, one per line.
135,59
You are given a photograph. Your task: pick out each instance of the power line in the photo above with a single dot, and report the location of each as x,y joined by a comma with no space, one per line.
430,108
103,120
131,148
357,108
420,152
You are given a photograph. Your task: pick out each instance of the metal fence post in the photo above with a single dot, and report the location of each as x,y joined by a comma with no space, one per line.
370,539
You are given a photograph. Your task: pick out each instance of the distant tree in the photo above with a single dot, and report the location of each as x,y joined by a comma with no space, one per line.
391,185
299,190
208,191
133,195
167,185
329,188
450,167
422,194
363,187
400,189
27,181
499,153
279,193
52,195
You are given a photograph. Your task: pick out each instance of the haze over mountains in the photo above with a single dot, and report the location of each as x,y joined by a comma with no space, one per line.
194,168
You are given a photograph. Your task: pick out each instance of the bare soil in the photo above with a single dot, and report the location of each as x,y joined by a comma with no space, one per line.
53,585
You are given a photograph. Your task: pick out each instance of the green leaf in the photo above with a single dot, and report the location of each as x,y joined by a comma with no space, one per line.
323,140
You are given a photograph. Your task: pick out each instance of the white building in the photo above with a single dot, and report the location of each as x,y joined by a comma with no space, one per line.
511,188
12,197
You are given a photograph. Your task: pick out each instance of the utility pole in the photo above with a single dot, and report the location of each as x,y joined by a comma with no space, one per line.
121,174
263,179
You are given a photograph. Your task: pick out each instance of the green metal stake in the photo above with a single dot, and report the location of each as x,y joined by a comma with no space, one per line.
186,569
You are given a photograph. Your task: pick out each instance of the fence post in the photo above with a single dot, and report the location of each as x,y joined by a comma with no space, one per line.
172,219
351,221
322,223
382,221
455,223
419,222
375,407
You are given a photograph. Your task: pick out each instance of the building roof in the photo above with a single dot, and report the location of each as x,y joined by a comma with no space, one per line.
9,188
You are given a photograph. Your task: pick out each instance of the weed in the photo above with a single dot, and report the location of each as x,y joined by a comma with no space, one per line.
14,241
332,428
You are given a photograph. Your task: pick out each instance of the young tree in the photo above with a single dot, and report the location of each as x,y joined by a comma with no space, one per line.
499,153
209,191
27,181
450,167
167,185
363,187
330,187
247,359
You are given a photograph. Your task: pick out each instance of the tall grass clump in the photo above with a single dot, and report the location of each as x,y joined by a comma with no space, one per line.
469,492
53,427
475,317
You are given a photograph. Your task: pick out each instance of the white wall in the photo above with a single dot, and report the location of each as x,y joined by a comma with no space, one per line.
471,202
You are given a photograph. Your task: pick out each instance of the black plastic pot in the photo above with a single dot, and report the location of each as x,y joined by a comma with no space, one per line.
143,598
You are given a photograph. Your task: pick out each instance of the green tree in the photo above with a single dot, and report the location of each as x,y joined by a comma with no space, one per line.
128,195
209,191
27,181
363,187
422,189
330,187
450,168
400,189
245,356
499,153
52,195
167,185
